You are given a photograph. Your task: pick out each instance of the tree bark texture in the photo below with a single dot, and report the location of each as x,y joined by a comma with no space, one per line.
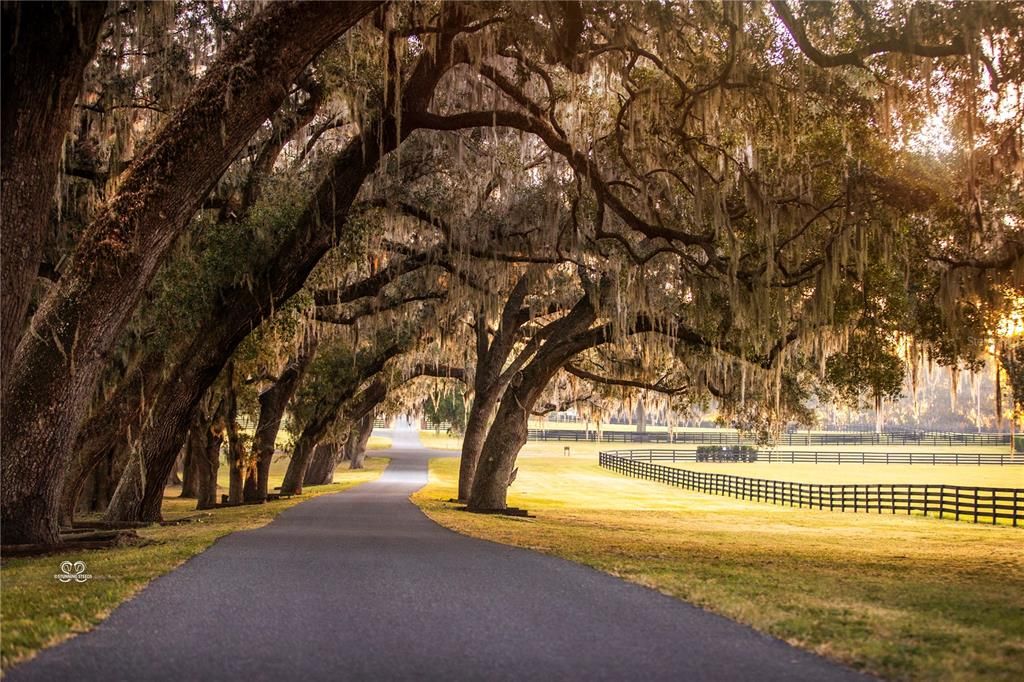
250,487
189,484
565,338
209,463
361,434
54,371
488,382
273,402
236,448
46,47
325,460
477,423
108,434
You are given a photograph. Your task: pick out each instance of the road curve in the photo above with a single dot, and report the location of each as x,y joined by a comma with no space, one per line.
361,585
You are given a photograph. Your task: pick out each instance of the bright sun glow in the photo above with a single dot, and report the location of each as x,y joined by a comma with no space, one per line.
934,138
1012,323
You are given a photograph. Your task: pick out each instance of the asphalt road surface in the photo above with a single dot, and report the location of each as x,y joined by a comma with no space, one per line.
362,586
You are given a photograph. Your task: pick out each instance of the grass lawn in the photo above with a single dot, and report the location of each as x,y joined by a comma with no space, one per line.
983,476
656,428
440,441
37,611
901,597
378,443
555,448
582,426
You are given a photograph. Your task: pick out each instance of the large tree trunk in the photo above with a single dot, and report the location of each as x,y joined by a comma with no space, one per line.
236,469
251,488
130,489
480,413
361,434
273,402
506,438
489,382
53,373
46,47
209,463
105,436
236,449
565,338
163,434
299,462
190,475
325,460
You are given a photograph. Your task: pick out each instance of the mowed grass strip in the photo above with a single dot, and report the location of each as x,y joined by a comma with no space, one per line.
991,476
440,441
897,596
37,611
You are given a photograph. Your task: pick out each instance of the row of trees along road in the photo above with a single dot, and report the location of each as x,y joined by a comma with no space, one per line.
220,220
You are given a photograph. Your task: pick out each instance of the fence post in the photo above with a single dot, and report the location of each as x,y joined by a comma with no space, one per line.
794,493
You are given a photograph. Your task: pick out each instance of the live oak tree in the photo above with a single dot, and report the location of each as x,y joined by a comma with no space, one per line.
286,269
53,371
46,48
718,185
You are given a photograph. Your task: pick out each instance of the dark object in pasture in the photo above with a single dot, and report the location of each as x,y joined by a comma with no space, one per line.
727,453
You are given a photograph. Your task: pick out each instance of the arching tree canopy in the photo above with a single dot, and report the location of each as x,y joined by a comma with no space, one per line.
309,213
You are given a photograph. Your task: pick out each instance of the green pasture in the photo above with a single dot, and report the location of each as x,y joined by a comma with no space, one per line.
903,597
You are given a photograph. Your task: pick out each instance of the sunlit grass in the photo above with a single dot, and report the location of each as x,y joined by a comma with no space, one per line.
440,440
443,441
592,447
38,611
983,476
378,443
656,428
582,426
903,597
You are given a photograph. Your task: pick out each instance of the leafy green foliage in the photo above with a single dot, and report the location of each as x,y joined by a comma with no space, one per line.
446,406
869,366
762,413
1011,355
219,255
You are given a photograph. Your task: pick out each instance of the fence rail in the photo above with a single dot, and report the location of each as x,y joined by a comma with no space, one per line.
733,438
849,457
967,503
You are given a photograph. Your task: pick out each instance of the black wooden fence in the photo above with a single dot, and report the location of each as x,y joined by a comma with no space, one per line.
848,457
724,437
967,503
